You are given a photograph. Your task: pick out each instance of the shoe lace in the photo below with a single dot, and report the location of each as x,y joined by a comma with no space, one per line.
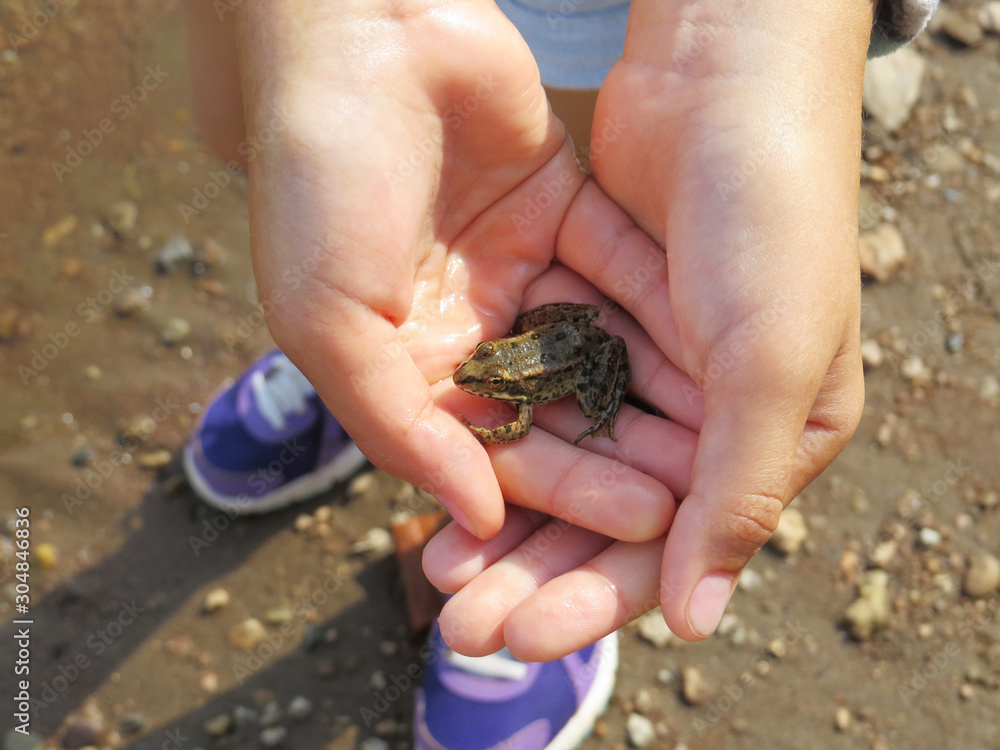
501,665
280,391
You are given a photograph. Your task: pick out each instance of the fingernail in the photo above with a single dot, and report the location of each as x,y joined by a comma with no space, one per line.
707,603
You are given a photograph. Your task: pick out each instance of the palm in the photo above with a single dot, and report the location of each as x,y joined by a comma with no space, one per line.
423,196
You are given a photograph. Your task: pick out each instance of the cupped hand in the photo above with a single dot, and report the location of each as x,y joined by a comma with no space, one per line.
409,193
730,138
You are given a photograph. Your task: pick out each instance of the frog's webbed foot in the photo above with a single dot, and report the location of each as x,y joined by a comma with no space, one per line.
506,433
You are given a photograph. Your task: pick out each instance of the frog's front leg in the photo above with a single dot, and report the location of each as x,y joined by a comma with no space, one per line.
602,387
506,433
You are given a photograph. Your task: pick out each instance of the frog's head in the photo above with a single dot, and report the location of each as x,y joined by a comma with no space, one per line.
483,374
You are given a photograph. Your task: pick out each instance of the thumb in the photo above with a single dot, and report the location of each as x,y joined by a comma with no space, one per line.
740,484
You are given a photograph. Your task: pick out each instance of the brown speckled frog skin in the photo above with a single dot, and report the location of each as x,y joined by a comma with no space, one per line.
553,351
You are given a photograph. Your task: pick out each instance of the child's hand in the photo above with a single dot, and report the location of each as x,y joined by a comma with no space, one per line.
735,145
410,193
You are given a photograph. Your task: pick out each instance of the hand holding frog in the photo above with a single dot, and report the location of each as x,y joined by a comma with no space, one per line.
406,180
756,300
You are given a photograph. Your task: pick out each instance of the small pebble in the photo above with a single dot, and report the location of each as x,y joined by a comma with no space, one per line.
132,722
640,731
983,576
247,634
273,736
376,540
214,600
694,688
388,648
271,714
953,342
643,701
121,217
82,457
882,252
728,623
244,716
82,732
219,725
374,743
154,459
209,681
872,355
914,370
990,390
989,16
361,485
46,555
303,522
300,707
130,302
750,580
961,29
175,331
93,372
279,615
791,532
967,692
870,611
57,231
929,538
175,251
884,552
209,253
989,500
842,719
653,629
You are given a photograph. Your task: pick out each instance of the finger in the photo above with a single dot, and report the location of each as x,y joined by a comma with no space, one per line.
472,621
390,412
453,557
658,447
655,379
577,608
549,474
600,242
740,484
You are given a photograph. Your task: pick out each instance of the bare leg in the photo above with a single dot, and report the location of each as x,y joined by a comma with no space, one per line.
575,107
217,99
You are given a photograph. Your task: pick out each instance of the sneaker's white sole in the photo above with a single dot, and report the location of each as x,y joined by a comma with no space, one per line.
349,461
581,724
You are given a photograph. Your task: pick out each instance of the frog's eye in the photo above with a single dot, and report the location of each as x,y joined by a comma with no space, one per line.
495,380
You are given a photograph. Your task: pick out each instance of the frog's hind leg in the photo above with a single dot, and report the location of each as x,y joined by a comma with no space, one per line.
604,381
555,312
505,433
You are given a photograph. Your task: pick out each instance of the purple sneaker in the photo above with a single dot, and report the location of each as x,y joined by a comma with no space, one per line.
497,702
267,441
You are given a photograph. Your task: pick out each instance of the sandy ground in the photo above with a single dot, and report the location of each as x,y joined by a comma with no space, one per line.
121,569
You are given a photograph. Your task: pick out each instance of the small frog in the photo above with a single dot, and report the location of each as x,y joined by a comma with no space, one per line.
553,351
